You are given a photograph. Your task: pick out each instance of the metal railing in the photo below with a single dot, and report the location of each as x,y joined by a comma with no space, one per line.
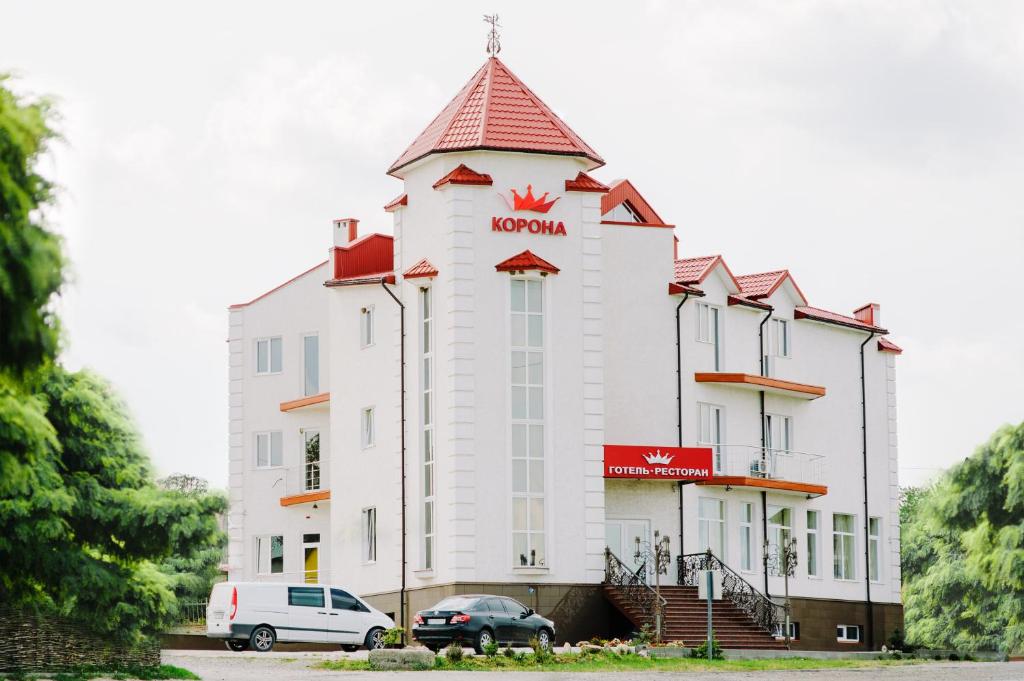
633,586
754,461
302,479
192,613
739,591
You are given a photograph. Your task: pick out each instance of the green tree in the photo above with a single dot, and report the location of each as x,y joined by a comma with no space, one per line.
963,551
193,575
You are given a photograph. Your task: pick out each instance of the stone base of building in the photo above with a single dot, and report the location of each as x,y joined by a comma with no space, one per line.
581,612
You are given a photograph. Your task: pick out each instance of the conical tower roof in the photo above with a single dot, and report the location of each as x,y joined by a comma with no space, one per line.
496,111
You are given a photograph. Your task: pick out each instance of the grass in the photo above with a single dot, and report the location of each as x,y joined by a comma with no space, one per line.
608,662
164,671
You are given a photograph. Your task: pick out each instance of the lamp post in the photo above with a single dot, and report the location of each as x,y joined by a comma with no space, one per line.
657,557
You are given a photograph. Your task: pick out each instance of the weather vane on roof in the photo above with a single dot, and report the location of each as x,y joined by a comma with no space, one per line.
493,39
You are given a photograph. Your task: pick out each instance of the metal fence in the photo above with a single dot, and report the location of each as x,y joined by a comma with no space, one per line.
192,613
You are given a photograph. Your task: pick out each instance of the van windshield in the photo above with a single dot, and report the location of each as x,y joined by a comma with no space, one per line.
457,603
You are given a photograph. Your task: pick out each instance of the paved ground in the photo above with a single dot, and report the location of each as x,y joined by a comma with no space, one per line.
248,666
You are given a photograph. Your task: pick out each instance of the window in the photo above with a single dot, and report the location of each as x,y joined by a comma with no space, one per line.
874,537
778,438
269,448
794,631
527,422
306,596
270,555
311,364
746,536
812,543
494,605
366,326
367,428
779,338
312,477
429,532
780,528
709,330
712,422
843,566
711,524
268,356
514,608
343,600
369,535
848,633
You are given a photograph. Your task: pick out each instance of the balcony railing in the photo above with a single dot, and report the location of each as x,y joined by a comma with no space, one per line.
304,478
753,461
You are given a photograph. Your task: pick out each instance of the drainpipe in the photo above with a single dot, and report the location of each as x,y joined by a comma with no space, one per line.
867,536
401,593
679,409
764,443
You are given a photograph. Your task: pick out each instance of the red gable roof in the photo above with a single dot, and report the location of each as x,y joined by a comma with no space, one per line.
372,254
623,191
495,110
395,203
463,174
585,183
886,345
820,315
421,269
764,284
525,261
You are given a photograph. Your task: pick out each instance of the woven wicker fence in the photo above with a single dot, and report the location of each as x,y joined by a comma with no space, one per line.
38,643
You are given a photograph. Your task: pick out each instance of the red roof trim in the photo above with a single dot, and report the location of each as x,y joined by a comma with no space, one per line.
748,302
237,306
635,224
708,266
526,261
397,203
886,345
675,289
585,183
463,174
357,280
623,191
421,269
819,315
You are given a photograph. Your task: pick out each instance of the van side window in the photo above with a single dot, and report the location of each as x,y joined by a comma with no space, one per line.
309,596
342,600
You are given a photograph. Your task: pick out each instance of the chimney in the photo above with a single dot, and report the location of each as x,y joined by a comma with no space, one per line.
345,231
869,314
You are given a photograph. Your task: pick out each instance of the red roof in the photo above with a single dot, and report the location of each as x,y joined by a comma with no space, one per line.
764,284
421,269
394,204
820,315
525,261
463,174
372,254
886,345
623,191
585,183
495,110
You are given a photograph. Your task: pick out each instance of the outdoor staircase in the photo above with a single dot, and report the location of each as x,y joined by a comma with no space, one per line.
686,618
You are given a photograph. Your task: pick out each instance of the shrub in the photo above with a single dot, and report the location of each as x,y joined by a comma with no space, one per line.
508,652
491,649
540,653
645,636
895,640
394,636
453,653
701,651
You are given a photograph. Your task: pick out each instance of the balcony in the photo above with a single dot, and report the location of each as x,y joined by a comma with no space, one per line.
321,401
779,470
754,382
305,484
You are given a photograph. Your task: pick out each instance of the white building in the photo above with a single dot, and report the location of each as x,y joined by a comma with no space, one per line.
541,314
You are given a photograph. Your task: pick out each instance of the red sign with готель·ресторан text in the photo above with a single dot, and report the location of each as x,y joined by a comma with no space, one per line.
639,462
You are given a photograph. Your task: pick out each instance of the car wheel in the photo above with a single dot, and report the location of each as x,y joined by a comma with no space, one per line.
236,645
375,639
349,647
544,639
262,639
485,637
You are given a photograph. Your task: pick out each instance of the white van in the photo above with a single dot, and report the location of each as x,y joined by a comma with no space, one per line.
258,614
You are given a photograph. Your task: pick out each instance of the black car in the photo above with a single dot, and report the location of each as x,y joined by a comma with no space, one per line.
480,620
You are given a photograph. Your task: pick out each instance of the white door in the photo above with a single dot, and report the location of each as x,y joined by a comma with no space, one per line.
307,614
621,536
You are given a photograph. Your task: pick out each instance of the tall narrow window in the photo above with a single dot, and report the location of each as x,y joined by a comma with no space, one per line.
746,536
369,535
270,555
312,459
269,356
366,427
427,386
712,423
311,364
780,345
711,525
778,434
780,528
709,330
269,449
366,326
812,543
527,427
874,542
843,565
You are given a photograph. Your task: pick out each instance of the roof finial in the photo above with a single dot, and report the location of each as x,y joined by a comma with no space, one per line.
493,39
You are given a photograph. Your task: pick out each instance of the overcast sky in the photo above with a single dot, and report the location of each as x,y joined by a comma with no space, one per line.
874,149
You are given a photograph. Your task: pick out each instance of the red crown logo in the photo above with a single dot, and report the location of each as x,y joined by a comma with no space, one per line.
529,202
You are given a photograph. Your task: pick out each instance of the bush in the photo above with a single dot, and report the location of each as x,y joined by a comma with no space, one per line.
701,651
394,636
895,640
508,652
453,653
645,636
540,653
491,649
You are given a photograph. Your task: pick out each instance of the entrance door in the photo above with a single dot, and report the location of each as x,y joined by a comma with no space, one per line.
311,558
621,536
